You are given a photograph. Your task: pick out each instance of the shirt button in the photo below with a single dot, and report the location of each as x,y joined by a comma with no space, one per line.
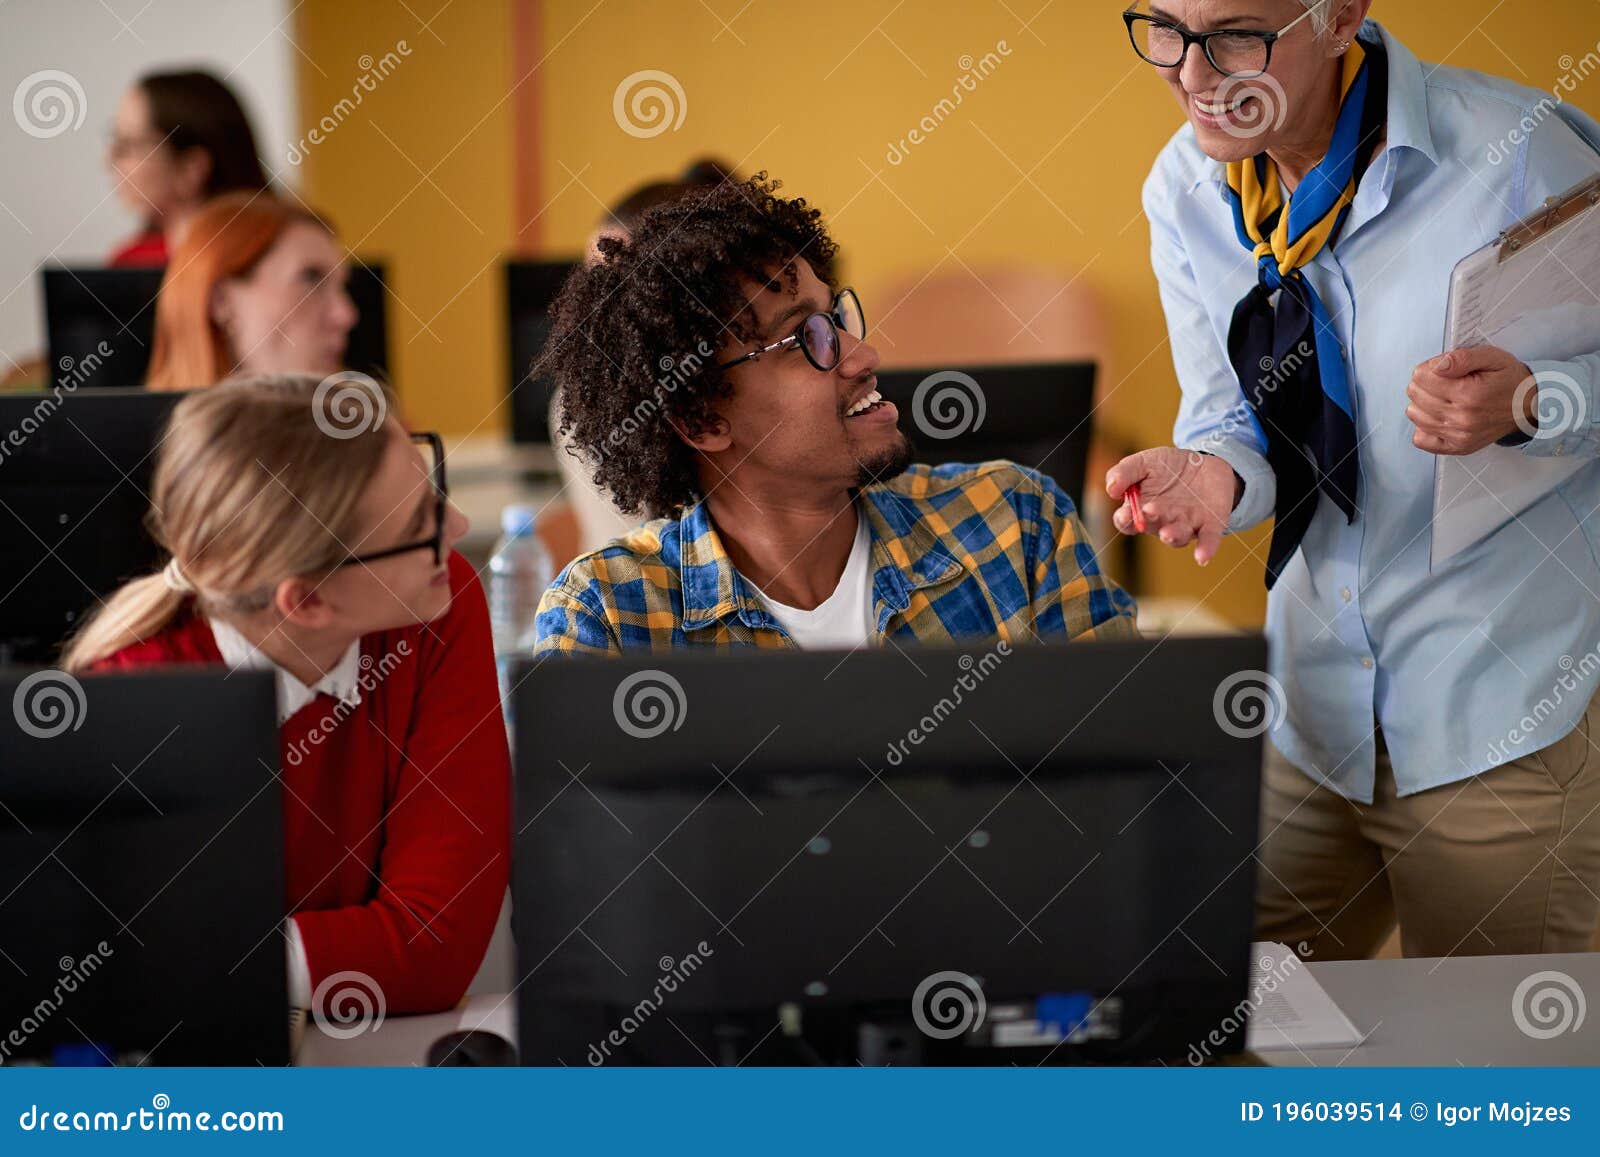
1345,594
1366,661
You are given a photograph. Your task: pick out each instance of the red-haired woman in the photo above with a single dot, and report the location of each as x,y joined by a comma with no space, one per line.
256,286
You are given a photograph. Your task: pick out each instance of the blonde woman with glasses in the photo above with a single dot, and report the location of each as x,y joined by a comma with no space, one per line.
310,536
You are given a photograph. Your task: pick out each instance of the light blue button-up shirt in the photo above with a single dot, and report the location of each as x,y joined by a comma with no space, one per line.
1495,654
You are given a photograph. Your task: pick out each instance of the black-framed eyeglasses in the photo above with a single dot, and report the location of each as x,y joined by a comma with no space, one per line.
434,460
818,333
1238,52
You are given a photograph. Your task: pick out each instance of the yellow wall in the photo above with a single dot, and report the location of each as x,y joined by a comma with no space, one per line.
815,93
420,175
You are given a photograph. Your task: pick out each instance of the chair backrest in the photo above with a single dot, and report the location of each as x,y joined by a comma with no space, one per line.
994,314
990,314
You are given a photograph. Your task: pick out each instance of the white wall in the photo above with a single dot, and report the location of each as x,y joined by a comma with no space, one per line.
55,194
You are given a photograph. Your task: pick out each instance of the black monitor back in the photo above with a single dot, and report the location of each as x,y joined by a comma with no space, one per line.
85,307
74,486
1038,414
141,873
837,829
531,288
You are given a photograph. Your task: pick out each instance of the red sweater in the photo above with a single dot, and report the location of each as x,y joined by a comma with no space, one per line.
145,249
397,820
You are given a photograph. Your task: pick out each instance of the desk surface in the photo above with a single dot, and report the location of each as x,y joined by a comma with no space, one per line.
1455,1011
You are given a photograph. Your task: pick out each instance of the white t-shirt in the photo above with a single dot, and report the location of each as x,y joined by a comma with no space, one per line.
845,619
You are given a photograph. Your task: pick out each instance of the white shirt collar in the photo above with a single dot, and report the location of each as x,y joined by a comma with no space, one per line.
343,682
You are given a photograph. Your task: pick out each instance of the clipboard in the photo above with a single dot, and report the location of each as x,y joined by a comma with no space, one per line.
1527,292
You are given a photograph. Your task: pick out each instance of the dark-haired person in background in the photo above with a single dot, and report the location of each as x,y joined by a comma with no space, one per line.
179,139
619,220
715,375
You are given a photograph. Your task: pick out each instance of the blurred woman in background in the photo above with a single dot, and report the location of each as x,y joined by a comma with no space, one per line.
179,139
311,536
257,285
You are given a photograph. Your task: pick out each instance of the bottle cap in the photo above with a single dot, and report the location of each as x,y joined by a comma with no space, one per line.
518,521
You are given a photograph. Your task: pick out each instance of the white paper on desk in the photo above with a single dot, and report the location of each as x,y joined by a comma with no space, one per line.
1538,306
1291,1010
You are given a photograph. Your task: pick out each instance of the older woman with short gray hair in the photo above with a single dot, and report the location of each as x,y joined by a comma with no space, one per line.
1305,222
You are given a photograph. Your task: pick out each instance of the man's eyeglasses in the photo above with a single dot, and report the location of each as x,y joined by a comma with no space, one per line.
433,457
1239,52
818,334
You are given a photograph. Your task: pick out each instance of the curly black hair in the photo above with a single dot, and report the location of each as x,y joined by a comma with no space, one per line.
636,334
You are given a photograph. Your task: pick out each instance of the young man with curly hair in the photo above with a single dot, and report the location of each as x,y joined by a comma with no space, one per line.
714,376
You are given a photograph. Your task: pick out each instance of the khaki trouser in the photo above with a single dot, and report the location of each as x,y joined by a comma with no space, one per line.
1505,862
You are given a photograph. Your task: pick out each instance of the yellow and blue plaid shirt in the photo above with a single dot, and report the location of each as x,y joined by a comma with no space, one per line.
959,553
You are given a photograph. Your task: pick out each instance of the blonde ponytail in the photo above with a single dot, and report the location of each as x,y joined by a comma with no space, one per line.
139,610
256,480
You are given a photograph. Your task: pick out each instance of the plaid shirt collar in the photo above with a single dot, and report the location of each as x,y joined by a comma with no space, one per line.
713,590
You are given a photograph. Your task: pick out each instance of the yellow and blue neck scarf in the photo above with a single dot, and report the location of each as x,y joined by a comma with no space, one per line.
1286,352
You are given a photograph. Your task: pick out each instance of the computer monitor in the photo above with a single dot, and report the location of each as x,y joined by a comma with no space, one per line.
141,869
367,349
531,288
809,857
100,324
75,477
1038,414
84,307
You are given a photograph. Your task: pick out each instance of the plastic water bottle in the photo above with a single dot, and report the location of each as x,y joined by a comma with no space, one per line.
519,573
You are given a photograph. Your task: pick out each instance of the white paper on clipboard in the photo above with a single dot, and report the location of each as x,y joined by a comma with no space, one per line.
1529,294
